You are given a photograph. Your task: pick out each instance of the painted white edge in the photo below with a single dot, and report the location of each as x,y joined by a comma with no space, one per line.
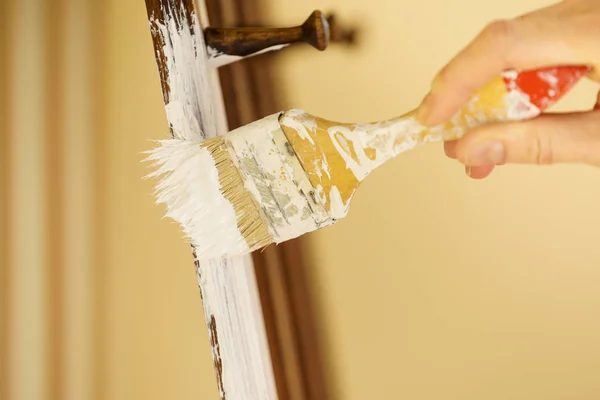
228,286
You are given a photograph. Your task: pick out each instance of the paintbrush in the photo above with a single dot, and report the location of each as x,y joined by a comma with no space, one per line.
292,172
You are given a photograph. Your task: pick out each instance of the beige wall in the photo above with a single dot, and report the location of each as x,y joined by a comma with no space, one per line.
436,286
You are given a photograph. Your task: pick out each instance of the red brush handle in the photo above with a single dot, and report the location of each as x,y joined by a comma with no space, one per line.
545,86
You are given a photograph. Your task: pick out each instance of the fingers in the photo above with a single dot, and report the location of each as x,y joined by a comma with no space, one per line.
531,41
450,148
479,172
573,137
549,139
483,59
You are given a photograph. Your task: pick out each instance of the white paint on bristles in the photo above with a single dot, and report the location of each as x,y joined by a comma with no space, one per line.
190,189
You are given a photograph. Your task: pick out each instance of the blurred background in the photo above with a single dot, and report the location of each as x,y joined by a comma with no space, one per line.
434,287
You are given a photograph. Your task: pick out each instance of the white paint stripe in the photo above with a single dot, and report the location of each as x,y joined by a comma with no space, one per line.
241,331
28,325
217,59
191,104
228,286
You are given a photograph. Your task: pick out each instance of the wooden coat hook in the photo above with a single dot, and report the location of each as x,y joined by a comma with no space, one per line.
246,41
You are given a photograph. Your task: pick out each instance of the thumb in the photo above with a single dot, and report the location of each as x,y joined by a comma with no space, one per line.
548,139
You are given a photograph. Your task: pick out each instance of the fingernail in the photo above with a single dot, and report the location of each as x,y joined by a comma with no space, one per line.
468,170
487,153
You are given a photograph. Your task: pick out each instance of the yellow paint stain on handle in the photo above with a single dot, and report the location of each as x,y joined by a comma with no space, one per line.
325,167
328,155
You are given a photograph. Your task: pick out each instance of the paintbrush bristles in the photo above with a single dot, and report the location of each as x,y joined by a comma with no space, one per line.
239,192
249,218
204,192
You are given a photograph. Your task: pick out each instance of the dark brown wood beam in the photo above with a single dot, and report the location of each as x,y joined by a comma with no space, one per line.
291,320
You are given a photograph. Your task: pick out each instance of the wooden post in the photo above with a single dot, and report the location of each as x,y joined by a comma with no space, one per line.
250,92
194,107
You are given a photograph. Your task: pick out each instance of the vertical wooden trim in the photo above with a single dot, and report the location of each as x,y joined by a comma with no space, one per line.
274,336
6,88
250,93
305,321
271,262
288,273
228,287
54,82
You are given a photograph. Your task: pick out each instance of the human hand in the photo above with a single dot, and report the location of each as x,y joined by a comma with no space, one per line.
566,33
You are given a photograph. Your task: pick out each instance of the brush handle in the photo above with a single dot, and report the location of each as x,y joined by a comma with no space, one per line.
337,156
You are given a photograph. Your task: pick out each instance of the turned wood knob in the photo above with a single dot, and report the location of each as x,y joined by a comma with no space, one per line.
245,41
